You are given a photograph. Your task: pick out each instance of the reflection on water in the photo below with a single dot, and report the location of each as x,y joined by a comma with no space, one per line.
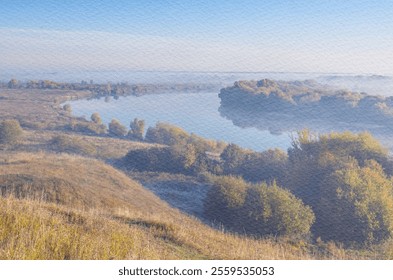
281,122
200,113
195,112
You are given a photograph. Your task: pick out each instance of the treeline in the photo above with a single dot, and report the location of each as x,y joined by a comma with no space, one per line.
110,89
336,187
192,154
183,152
303,100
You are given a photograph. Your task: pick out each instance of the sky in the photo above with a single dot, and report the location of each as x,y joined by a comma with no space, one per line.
284,36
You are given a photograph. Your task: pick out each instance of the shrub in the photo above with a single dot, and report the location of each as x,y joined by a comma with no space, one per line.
117,129
137,129
10,132
96,118
257,209
68,144
88,127
364,196
166,134
342,177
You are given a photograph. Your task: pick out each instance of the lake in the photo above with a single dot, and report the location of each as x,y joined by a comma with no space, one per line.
195,112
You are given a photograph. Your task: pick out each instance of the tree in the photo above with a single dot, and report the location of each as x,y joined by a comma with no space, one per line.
96,118
10,132
225,200
268,166
167,134
117,129
269,209
137,129
13,83
332,174
364,196
233,156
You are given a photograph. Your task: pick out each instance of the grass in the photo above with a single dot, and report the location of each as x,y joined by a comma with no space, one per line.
37,108
104,147
34,230
37,230
71,207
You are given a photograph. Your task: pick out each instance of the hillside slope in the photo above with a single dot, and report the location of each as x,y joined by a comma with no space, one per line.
73,181
70,207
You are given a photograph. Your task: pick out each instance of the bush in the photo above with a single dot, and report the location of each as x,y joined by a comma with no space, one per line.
96,118
88,127
253,166
137,129
168,134
342,177
364,196
153,159
257,209
68,144
117,129
10,132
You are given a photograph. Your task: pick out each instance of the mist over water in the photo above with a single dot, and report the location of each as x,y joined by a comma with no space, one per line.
372,84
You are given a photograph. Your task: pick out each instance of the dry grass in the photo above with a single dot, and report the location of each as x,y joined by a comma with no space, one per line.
76,182
106,147
37,107
100,213
36,230
33,230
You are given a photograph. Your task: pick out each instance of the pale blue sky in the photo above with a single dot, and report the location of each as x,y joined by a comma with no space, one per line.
305,36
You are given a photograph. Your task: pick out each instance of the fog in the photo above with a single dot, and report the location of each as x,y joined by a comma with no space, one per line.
369,83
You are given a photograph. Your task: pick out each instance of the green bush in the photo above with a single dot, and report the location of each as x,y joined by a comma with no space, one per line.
257,209
364,196
168,134
253,166
184,159
342,176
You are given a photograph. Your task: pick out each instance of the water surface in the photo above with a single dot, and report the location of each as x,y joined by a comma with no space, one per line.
195,112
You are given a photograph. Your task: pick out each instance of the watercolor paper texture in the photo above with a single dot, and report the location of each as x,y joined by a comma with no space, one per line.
196,130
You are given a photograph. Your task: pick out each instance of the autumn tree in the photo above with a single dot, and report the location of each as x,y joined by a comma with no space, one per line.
96,118
333,174
117,129
137,129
